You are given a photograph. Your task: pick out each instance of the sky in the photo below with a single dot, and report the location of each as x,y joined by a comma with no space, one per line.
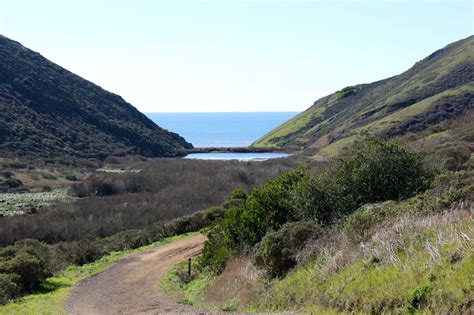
231,56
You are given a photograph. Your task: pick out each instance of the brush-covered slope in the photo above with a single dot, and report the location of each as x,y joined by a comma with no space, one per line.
437,88
47,111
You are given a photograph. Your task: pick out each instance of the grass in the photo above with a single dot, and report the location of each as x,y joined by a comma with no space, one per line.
292,125
432,270
386,122
175,284
226,292
412,110
50,299
337,147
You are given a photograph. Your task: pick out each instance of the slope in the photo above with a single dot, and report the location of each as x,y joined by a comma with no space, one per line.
437,88
48,112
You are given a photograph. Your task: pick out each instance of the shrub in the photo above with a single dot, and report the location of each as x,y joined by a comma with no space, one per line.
316,198
377,171
124,240
450,156
72,178
346,92
418,298
8,287
32,247
27,264
230,203
358,225
244,225
30,270
7,174
213,213
97,186
238,194
10,183
80,252
49,176
277,251
217,251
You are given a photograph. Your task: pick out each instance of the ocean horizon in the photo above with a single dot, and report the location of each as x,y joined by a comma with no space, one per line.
220,129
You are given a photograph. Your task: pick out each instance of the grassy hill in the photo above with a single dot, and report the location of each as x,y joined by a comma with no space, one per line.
49,112
437,88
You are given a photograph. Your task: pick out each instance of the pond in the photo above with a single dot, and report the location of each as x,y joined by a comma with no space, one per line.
256,156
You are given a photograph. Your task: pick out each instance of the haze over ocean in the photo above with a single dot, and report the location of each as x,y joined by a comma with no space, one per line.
221,129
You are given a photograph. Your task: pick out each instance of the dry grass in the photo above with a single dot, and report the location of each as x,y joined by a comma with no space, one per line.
238,282
400,234
406,232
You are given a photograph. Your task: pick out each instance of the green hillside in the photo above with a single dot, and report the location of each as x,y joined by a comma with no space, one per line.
435,89
49,112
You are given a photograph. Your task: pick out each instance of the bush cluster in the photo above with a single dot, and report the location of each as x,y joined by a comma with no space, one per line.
372,172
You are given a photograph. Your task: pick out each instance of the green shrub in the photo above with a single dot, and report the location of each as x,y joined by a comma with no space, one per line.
417,298
83,252
346,92
376,171
30,270
277,251
35,248
217,251
372,172
230,203
8,287
243,226
213,213
317,198
124,240
238,194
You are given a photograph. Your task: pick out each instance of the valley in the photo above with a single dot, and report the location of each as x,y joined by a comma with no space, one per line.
363,203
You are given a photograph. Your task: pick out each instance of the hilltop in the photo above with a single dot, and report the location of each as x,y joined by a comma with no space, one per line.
48,112
436,89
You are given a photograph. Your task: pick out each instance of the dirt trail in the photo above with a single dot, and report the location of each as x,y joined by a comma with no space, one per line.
131,285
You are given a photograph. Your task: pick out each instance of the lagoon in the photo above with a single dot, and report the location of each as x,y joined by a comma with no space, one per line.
251,156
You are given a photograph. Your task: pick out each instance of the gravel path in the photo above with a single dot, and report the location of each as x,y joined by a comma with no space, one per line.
131,285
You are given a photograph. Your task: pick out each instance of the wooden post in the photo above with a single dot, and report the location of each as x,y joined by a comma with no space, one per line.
189,269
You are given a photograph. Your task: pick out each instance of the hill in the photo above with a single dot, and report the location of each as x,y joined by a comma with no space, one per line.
437,88
48,112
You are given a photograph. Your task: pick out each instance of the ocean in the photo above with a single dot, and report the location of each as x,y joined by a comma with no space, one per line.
221,129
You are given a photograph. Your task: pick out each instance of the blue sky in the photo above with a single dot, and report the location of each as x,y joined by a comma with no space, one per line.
198,56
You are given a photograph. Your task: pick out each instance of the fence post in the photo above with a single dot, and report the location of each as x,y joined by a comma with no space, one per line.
189,269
